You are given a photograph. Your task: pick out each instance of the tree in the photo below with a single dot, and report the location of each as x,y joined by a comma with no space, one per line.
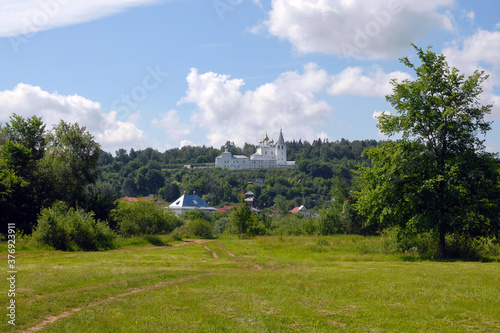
21,151
241,216
437,177
28,132
74,147
14,188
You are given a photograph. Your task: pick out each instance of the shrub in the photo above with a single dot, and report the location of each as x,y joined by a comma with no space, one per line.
201,228
143,218
66,229
396,240
222,225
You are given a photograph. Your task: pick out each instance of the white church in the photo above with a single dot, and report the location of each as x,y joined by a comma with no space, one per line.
268,155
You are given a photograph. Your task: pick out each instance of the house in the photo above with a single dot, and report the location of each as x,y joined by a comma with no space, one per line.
224,209
130,199
304,211
189,202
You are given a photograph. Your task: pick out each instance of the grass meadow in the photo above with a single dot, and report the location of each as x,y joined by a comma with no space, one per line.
265,284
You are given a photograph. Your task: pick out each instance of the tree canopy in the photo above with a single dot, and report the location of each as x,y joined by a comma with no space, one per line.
37,168
438,176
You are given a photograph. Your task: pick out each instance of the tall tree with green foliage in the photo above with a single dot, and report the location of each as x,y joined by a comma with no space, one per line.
74,151
38,168
22,146
437,177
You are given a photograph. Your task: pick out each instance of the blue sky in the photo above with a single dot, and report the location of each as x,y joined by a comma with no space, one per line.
163,74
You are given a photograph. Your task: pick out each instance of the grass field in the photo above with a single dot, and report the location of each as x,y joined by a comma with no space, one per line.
268,284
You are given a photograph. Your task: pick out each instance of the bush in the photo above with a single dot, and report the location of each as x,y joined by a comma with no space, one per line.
66,229
143,218
201,228
222,225
395,240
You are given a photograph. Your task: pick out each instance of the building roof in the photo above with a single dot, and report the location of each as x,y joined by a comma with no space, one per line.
191,201
224,209
281,141
130,199
298,209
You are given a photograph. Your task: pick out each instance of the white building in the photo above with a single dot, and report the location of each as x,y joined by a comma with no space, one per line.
268,155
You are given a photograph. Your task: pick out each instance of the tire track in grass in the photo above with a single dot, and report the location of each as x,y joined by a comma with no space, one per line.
52,319
223,249
256,266
210,250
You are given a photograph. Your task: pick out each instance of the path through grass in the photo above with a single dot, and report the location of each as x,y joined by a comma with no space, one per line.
268,284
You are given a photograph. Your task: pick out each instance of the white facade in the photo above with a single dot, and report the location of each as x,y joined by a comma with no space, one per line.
268,155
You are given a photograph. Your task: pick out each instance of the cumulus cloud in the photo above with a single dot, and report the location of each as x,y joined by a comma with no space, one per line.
289,102
187,143
479,52
375,116
352,81
29,16
483,46
355,28
27,100
173,126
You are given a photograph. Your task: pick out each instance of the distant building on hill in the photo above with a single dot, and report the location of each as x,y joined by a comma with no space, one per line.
268,155
304,211
189,202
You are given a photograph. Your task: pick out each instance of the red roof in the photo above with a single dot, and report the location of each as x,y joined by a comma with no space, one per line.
130,199
224,209
298,209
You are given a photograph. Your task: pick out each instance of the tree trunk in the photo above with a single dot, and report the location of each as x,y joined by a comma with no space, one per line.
442,245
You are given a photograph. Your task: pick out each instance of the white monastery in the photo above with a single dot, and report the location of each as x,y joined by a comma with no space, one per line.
268,155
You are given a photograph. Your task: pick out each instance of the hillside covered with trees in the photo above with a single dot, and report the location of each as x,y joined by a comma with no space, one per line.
144,172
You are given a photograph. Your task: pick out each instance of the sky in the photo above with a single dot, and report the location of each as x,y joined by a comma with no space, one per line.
170,73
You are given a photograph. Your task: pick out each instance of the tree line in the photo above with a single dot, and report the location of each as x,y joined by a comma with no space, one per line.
435,185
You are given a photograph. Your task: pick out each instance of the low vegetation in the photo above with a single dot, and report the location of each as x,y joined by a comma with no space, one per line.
272,283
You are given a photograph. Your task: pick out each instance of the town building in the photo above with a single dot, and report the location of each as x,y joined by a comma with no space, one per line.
268,155
304,211
189,202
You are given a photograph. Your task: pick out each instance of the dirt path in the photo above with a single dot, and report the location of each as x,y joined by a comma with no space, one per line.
223,249
186,242
210,250
51,319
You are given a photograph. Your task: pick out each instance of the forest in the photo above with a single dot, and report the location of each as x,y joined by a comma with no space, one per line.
144,172
58,185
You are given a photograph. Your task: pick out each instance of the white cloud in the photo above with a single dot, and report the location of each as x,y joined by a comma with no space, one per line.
186,143
29,16
352,81
375,116
27,100
355,28
479,52
289,102
483,46
471,15
174,128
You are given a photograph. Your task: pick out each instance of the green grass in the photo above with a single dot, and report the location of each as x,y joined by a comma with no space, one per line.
272,284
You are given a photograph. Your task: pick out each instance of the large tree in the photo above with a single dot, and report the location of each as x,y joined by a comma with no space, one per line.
37,169
437,177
